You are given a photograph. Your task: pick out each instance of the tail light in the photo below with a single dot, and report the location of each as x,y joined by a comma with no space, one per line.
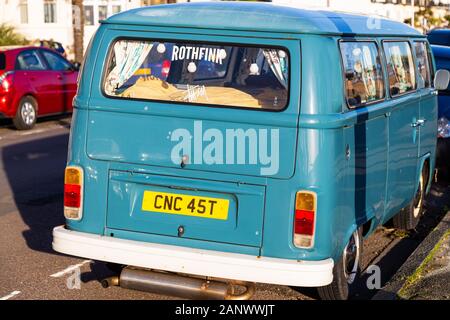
6,81
73,193
165,68
305,219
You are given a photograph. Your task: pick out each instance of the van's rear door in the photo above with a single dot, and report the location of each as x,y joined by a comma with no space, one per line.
189,208
146,134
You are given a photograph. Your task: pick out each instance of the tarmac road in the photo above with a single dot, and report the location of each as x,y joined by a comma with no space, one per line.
31,187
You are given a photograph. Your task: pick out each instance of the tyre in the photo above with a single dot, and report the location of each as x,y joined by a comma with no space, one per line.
408,218
345,271
26,114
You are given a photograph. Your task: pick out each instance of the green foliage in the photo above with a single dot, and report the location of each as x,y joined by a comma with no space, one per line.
9,37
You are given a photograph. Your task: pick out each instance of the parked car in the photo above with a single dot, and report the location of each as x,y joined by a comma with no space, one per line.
442,58
54,45
35,82
310,131
440,37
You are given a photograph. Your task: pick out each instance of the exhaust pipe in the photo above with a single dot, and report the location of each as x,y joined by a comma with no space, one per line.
171,284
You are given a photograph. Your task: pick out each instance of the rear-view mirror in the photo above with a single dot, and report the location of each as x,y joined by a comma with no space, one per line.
442,79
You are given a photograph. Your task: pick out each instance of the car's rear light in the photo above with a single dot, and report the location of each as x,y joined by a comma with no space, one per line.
165,68
305,219
6,80
73,193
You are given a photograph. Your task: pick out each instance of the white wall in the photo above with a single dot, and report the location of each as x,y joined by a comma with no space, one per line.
61,30
36,28
391,11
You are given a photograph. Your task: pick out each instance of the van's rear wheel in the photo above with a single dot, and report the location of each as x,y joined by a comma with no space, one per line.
345,271
26,114
408,218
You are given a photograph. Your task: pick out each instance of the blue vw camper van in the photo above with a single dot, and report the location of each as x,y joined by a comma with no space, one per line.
218,145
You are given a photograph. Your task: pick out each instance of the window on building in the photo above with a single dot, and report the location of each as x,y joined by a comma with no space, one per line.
89,15
400,64
50,11
102,12
116,9
423,64
364,82
23,9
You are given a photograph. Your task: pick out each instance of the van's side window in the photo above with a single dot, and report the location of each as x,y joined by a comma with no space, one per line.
423,64
400,65
363,72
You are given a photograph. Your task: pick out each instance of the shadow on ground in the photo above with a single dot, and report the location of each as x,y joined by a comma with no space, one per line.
61,119
436,206
35,173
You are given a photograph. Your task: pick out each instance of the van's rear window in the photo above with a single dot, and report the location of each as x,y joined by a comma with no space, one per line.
224,75
2,61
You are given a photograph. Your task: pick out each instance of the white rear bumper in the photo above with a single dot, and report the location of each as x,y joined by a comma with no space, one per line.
194,261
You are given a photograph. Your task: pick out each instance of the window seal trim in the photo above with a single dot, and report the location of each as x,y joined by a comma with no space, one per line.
114,40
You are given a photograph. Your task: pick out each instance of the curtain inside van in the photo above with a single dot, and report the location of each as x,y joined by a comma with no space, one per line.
129,57
275,62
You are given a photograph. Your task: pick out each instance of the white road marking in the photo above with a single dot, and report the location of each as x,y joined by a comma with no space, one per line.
27,133
11,295
70,269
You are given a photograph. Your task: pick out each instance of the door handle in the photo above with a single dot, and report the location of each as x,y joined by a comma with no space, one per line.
59,77
419,123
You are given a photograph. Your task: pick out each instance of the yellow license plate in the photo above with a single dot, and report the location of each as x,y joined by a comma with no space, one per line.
187,205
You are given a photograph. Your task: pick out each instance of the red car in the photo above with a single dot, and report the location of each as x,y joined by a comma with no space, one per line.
34,82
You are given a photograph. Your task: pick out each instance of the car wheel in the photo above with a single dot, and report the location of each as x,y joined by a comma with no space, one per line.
408,218
26,114
345,271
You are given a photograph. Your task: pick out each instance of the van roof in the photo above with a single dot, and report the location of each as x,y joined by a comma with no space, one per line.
264,17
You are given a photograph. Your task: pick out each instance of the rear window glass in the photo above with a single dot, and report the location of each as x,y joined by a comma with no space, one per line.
364,81
210,74
2,61
400,65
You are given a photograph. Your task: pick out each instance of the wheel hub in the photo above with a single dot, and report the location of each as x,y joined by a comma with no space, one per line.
351,258
28,113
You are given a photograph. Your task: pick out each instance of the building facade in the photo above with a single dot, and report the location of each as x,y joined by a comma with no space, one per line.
398,10
53,19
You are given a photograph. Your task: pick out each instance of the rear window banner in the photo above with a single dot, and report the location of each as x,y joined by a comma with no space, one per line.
215,55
